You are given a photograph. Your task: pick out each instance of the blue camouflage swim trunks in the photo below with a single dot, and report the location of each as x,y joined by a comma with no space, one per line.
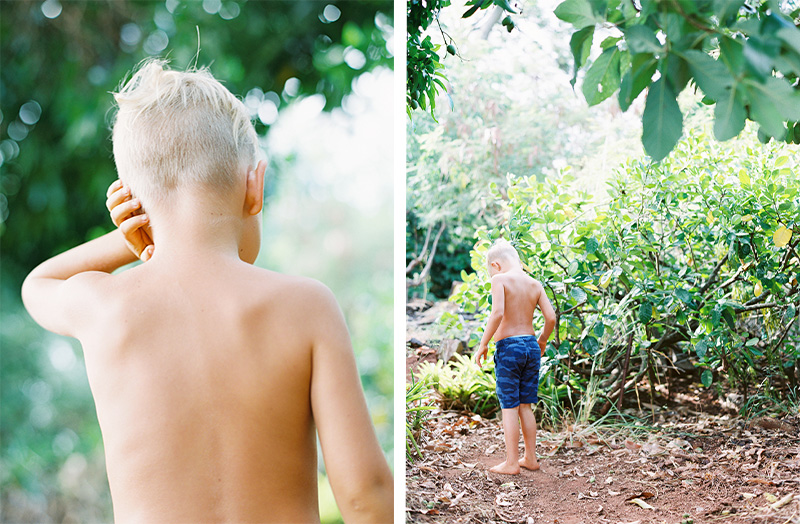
516,368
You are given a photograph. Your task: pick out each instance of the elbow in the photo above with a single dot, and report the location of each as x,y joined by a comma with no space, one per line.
370,502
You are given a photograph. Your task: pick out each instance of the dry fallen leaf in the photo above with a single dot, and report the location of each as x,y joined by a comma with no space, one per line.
759,481
642,504
501,501
652,448
457,499
781,503
631,445
491,449
642,495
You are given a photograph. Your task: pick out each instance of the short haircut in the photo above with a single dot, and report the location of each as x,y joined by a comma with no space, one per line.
502,249
175,129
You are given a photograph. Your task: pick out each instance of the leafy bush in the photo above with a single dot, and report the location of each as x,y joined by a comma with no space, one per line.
695,255
462,385
416,411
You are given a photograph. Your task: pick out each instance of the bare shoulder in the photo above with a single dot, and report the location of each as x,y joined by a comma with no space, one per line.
500,279
311,295
537,286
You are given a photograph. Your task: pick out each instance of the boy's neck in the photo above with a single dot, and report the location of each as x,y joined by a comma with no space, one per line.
187,230
510,269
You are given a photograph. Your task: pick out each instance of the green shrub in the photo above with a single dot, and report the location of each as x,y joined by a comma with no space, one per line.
417,393
696,254
462,385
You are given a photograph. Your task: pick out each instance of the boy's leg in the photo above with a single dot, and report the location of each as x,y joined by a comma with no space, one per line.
511,434
528,420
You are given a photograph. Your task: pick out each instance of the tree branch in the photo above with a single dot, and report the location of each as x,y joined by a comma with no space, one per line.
427,269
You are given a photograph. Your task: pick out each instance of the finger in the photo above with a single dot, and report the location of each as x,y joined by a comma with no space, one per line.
129,226
125,209
147,235
147,254
115,185
117,197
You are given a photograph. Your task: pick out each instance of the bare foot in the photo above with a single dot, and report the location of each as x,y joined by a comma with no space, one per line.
532,465
504,468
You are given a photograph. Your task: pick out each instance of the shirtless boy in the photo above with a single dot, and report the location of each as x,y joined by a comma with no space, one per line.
211,377
515,297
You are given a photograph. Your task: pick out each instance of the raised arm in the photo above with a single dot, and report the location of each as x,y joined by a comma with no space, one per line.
55,292
549,318
358,472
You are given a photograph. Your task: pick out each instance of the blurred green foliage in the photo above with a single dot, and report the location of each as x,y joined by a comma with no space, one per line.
56,151
59,61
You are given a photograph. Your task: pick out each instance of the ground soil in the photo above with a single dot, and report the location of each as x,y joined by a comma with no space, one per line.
695,461
714,469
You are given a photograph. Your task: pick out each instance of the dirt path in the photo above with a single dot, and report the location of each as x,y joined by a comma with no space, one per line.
713,470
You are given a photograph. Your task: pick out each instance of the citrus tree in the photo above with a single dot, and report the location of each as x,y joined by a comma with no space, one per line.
692,258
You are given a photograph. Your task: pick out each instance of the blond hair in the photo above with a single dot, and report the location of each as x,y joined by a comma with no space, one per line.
502,250
174,129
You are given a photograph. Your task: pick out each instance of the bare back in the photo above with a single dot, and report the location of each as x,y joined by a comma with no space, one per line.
202,385
521,295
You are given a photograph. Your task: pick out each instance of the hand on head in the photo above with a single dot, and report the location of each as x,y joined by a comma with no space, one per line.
127,214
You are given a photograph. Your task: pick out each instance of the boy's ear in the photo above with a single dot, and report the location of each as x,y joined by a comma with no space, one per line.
254,196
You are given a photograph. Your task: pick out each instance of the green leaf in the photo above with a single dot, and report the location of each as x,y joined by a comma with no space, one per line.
729,116
773,102
700,348
744,179
645,312
791,36
710,75
591,245
639,76
642,39
788,315
662,121
506,6
727,315
730,53
573,267
580,44
599,329
707,377
726,10
610,41
590,344
683,295
579,13
602,78
471,11
578,294
759,57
